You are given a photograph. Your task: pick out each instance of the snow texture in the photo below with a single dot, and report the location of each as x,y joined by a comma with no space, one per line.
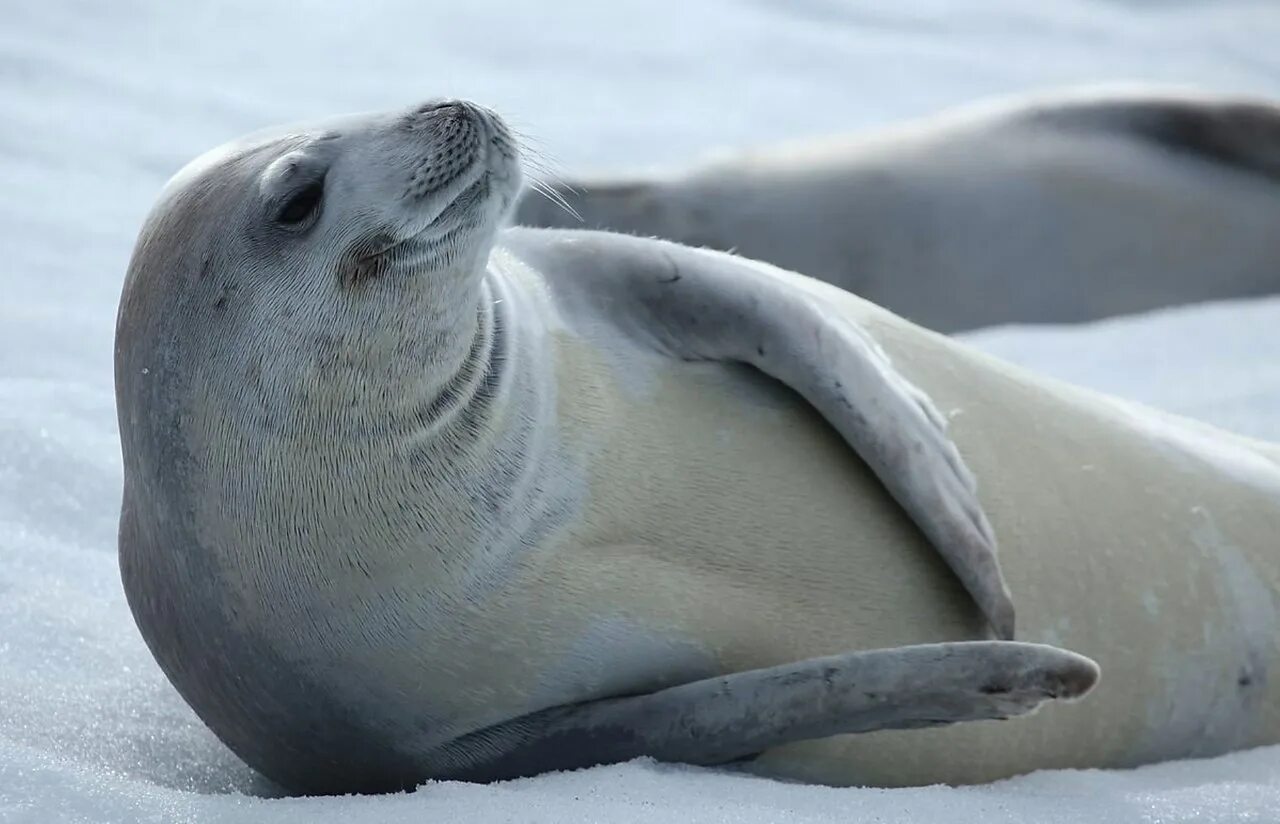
103,101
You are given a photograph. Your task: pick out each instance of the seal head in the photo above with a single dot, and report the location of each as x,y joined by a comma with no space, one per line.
294,289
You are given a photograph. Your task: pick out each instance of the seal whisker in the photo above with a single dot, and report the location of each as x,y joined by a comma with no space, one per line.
544,165
555,197
551,178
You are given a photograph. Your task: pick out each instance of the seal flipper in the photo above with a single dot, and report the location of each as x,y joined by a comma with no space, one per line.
724,719
1237,132
697,304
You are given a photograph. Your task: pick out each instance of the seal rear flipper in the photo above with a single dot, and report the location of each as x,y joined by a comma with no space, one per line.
724,719
1237,132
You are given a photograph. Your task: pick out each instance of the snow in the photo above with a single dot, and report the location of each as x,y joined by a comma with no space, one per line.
103,101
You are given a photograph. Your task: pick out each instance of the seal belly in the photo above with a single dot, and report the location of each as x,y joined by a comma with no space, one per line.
724,515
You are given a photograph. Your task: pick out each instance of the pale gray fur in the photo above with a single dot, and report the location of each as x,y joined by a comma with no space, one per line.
339,448
1053,207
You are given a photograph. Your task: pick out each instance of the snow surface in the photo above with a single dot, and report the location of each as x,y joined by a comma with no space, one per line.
103,101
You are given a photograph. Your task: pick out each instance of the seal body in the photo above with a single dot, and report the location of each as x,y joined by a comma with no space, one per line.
1053,208
397,483
1141,541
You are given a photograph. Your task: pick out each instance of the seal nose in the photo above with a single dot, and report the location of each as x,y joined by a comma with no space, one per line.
442,112
442,107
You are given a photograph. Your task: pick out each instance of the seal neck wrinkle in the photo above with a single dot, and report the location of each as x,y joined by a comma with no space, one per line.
463,403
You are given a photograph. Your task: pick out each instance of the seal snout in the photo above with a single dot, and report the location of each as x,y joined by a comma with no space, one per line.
447,172
459,123
454,143
448,115
464,142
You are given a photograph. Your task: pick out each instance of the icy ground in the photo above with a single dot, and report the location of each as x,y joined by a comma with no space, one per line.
100,102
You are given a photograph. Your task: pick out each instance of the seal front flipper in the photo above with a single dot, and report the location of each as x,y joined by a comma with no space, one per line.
697,304
724,719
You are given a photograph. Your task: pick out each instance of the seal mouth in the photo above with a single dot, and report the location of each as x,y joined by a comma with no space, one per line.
469,196
373,262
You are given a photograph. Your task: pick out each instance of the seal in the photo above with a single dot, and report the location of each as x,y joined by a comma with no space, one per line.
409,496
1059,207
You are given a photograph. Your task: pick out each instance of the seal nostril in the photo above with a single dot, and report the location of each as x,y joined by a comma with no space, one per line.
449,108
442,114
435,106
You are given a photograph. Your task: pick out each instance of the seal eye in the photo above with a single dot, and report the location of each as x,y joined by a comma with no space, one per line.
302,205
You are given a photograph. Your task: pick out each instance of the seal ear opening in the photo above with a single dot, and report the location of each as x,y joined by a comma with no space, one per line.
732,717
